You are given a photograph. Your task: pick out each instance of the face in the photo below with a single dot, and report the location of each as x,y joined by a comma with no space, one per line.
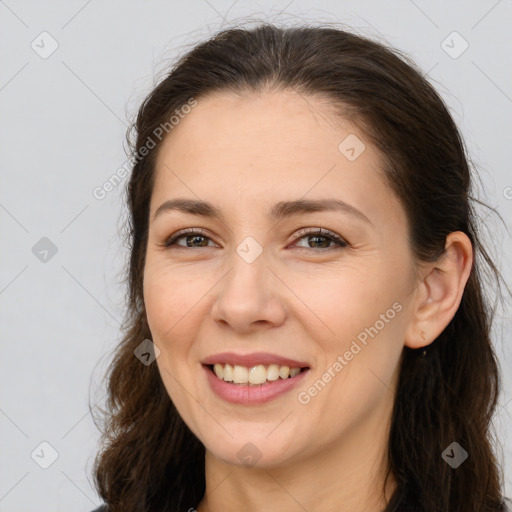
262,286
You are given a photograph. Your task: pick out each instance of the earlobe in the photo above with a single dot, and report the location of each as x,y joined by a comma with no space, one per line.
440,291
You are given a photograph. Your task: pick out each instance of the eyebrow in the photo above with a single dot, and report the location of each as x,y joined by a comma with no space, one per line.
279,211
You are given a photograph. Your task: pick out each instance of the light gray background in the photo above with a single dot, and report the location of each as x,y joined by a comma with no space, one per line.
62,127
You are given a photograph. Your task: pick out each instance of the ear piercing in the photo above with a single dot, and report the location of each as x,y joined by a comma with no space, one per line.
424,353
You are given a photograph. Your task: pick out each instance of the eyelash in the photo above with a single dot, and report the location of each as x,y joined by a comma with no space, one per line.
303,233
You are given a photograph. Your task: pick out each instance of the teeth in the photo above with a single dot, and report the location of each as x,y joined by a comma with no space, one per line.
219,371
256,375
284,372
227,373
294,371
273,372
240,375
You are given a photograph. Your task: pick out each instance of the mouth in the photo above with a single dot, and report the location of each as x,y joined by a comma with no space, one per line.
254,376
253,385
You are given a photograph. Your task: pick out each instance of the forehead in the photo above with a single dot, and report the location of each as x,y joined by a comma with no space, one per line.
274,121
281,145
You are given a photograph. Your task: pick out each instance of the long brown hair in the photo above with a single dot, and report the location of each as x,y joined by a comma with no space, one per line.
149,459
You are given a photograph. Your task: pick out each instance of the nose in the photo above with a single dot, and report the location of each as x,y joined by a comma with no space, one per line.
251,296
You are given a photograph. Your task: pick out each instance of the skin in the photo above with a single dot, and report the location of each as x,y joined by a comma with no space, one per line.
297,299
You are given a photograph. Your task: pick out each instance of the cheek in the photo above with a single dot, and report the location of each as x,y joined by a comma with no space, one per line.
168,299
343,302
169,296
362,322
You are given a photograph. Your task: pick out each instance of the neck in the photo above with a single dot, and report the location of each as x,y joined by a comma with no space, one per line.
347,476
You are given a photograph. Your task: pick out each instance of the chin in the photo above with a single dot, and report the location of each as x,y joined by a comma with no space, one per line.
253,450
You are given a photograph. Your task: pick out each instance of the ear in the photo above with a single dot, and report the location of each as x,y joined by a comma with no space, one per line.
440,291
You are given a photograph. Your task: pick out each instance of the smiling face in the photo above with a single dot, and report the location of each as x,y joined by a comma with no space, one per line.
259,278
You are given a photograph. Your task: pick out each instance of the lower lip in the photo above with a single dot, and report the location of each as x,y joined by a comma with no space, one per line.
252,395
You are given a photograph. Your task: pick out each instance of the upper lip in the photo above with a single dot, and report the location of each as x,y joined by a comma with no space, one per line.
250,360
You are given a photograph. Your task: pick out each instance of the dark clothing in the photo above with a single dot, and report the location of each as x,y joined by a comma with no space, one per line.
398,506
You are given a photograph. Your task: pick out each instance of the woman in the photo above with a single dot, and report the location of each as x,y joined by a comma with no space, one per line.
305,260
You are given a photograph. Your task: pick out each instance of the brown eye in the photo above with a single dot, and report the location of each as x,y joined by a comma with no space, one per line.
194,238
321,239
